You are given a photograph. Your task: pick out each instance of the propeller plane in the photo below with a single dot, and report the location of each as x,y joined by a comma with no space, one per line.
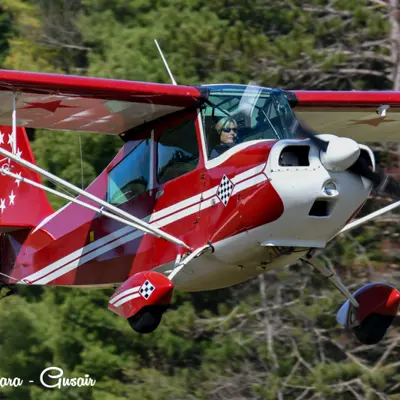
213,185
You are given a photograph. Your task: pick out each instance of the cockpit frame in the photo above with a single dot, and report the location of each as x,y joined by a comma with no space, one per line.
260,113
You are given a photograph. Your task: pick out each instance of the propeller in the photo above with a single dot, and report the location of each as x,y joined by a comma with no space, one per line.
343,152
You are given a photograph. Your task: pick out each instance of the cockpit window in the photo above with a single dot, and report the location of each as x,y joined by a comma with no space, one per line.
130,177
235,114
177,151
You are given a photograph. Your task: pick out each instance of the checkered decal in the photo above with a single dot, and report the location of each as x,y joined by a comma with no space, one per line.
147,289
225,190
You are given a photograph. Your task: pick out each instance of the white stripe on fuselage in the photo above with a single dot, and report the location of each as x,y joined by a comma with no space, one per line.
80,252
126,299
124,293
160,219
79,261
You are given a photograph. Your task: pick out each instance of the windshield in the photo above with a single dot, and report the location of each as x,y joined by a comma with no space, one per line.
235,114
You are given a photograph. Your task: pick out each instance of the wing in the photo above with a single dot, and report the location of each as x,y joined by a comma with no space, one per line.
363,116
88,104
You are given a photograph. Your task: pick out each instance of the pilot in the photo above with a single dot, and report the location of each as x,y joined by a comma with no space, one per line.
226,129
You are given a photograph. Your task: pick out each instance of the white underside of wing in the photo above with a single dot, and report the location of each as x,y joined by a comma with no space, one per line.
63,112
360,124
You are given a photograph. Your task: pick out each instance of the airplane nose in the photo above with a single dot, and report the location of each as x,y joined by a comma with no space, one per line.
319,195
340,155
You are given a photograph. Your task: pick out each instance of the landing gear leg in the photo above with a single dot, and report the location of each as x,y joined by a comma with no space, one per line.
179,263
147,319
310,259
368,328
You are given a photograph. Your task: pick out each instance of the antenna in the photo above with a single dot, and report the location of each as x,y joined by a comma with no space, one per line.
165,62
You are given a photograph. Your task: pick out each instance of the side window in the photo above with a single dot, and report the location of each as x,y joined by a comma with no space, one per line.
130,177
177,151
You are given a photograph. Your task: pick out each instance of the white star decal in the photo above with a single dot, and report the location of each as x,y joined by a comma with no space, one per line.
2,205
18,180
12,197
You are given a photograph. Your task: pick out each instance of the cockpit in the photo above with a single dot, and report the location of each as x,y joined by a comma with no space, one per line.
235,114
167,149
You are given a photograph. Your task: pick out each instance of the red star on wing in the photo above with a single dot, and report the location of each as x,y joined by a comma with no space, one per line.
51,106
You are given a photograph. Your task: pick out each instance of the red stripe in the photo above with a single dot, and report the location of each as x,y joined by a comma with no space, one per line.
346,98
141,92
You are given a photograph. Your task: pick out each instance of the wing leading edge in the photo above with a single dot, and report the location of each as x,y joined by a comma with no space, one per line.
361,115
78,103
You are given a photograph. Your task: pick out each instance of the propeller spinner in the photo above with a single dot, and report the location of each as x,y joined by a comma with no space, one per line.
340,154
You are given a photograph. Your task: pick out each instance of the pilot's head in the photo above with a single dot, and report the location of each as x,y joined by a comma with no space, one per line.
227,130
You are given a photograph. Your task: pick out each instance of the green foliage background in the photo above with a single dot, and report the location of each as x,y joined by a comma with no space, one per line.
274,337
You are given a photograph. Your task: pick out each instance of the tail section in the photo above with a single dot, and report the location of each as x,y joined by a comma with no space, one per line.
21,205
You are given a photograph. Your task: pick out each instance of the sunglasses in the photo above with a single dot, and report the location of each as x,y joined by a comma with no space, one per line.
227,130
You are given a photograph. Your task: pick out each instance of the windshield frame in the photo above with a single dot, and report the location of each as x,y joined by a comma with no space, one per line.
213,109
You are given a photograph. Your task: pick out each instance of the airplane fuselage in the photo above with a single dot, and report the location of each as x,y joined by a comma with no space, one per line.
255,212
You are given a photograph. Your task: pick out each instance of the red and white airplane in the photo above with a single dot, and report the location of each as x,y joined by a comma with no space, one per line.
212,186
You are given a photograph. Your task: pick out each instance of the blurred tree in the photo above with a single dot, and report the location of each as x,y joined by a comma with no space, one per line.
272,337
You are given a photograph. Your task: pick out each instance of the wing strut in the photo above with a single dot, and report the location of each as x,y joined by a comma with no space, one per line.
14,124
5,171
126,218
14,128
369,217
181,264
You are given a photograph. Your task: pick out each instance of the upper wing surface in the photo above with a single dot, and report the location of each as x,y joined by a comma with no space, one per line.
79,103
354,114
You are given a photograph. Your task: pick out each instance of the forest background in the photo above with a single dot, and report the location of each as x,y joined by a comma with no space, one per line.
274,337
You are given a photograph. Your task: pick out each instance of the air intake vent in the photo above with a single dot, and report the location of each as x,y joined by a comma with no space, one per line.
321,208
294,156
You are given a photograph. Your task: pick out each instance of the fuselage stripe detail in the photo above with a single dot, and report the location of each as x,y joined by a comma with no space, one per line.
248,174
82,251
176,207
125,299
69,267
178,215
180,210
255,180
87,251
124,293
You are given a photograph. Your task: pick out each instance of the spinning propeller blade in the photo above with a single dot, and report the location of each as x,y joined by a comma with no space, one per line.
382,183
302,130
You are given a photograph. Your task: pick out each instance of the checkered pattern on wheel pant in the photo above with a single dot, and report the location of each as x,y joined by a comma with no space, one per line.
147,289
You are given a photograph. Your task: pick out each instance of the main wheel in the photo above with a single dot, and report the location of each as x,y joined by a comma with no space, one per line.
373,328
147,319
